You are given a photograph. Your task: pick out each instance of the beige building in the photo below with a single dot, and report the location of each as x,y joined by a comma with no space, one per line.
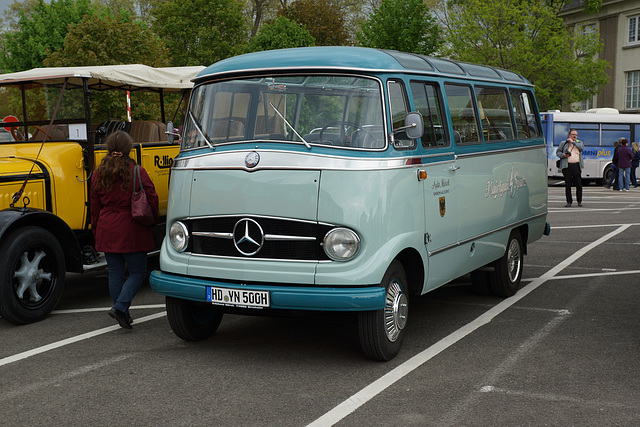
618,22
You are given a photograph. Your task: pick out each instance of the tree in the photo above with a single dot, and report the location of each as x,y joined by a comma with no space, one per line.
404,25
527,36
108,41
39,32
324,20
201,32
280,34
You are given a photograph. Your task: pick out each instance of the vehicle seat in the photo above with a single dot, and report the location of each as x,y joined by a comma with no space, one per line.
148,131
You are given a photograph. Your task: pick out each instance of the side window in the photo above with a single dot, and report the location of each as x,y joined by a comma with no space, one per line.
524,112
398,105
428,102
463,116
493,106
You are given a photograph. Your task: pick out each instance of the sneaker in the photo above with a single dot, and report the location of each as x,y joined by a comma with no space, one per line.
579,205
120,317
568,205
626,189
620,189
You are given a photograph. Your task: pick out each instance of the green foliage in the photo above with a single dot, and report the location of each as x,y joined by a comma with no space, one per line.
201,32
324,20
280,34
40,32
108,41
404,25
529,38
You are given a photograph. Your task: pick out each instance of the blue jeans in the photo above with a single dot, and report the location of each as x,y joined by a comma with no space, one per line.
623,173
121,288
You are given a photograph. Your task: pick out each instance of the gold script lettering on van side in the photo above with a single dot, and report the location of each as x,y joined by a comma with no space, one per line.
510,186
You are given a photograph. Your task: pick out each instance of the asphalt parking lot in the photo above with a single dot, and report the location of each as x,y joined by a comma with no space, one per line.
565,350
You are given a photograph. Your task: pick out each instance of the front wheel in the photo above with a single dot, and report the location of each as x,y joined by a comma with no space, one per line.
382,331
192,321
32,274
505,279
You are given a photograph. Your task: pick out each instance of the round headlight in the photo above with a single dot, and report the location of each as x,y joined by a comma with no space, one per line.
179,236
341,244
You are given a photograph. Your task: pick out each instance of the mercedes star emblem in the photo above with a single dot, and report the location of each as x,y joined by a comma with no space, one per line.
252,159
248,236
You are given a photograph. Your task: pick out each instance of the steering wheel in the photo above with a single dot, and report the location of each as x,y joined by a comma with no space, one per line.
343,127
16,134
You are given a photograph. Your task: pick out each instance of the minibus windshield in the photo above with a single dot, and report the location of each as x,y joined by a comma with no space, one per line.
313,110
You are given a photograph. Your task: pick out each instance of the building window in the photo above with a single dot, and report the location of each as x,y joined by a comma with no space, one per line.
588,29
634,29
633,90
586,104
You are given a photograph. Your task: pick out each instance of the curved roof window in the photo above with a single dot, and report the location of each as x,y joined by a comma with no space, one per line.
412,62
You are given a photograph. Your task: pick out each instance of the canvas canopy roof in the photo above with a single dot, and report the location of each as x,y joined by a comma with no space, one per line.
126,77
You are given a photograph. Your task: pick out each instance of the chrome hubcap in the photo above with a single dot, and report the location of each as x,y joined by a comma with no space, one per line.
395,311
513,260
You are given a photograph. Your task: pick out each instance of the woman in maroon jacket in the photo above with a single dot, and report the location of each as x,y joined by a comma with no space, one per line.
117,234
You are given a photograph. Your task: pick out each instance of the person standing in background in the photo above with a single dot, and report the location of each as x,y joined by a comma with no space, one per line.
117,234
635,162
571,163
625,156
613,179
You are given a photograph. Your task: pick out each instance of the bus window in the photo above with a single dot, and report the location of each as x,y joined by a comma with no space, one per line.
398,105
527,124
426,98
463,117
612,132
560,132
493,106
588,133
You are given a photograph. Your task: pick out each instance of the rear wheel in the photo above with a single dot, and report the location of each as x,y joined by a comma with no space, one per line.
32,274
505,279
382,331
192,321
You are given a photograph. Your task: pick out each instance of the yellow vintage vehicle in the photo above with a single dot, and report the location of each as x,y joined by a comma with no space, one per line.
53,122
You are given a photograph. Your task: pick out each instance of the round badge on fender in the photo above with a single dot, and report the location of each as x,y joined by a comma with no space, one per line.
252,159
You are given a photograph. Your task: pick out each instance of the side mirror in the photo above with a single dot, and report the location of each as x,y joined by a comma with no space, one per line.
171,133
414,125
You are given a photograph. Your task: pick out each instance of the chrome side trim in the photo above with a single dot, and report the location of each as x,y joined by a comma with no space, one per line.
485,234
282,159
502,150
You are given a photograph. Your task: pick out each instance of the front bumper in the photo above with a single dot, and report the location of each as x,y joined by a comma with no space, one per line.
283,297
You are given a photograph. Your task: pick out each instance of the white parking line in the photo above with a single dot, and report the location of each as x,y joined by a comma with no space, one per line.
369,392
71,340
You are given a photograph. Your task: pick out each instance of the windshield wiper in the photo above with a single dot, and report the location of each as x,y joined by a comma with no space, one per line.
292,128
205,137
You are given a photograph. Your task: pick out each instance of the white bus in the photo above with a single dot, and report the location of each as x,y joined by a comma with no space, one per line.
597,128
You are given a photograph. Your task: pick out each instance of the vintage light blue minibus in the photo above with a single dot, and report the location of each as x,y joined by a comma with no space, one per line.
348,179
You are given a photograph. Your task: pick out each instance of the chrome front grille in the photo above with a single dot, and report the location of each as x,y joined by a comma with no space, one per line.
257,237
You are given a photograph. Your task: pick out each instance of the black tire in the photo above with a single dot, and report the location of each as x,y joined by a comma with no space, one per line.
32,273
382,331
481,282
505,280
192,321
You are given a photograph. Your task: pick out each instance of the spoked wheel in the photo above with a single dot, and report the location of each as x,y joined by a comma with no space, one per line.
32,274
505,280
382,331
192,321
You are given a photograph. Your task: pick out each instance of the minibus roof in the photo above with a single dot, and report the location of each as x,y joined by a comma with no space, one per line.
342,58
126,77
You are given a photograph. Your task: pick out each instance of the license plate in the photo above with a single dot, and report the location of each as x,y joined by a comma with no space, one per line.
243,298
